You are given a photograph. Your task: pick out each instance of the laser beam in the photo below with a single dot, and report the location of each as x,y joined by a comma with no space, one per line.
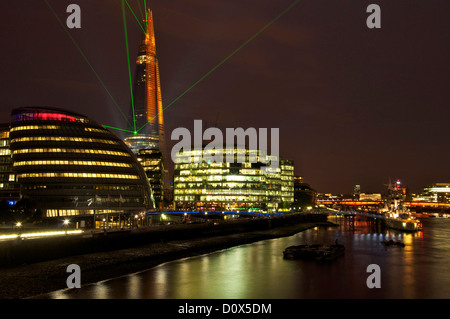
234,52
86,60
116,128
135,16
146,15
140,9
293,4
128,61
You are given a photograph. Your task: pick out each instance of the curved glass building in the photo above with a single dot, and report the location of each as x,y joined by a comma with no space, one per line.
69,165
9,188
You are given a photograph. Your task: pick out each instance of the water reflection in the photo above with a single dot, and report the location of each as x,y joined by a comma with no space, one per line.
419,270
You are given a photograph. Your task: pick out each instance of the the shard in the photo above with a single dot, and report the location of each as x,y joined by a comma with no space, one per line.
146,120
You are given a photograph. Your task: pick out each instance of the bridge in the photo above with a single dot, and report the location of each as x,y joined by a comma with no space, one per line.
350,202
328,211
427,204
379,203
323,211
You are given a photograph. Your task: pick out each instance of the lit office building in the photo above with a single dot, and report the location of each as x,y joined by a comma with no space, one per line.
70,166
227,186
9,187
287,182
435,193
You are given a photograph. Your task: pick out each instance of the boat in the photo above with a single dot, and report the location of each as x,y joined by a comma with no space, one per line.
331,253
393,243
317,252
404,224
399,218
293,252
402,220
305,252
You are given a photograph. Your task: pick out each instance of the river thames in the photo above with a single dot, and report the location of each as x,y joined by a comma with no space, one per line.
258,270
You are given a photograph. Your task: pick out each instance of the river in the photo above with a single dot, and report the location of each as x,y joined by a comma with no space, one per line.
258,270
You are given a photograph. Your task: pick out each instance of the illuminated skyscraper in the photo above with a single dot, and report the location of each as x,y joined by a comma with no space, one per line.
146,119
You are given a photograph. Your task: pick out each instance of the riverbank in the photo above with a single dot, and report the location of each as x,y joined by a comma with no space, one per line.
43,277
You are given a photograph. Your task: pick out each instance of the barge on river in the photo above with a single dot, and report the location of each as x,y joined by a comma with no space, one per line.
319,253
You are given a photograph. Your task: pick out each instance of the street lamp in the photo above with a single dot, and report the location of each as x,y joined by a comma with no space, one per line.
66,224
19,227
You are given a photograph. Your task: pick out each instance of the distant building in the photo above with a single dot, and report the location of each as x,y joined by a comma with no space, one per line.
330,197
435,193
370,197
304,195
397,191
70,166
356,191
231,186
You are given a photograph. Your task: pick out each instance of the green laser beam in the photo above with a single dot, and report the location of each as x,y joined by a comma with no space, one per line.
116,128
139,23
134,20
234,52
229,56
140,9
128,61
86,59
146,15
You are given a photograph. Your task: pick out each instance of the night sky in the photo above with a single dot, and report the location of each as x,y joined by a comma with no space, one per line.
354,105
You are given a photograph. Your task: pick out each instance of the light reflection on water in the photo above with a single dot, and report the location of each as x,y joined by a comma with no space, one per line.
258,270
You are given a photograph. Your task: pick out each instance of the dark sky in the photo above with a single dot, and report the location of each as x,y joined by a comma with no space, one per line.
354,105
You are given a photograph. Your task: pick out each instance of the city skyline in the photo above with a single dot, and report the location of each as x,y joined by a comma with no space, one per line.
354,105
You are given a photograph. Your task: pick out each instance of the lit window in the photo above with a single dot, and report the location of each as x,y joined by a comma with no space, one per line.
62,139
77,175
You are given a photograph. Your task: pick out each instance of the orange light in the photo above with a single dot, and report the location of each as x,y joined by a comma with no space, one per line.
347,202
424,204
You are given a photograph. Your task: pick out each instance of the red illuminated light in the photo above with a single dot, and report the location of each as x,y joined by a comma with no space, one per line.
46,116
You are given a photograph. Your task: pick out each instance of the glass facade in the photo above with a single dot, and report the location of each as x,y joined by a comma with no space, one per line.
152,162
287,182
435,193
71,166
225,186
9,187
146,118
142,142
